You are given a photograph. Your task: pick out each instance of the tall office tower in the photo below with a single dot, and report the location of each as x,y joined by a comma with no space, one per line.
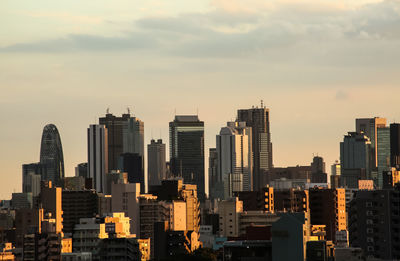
258,120
328,207
234,157
81,170
157,165
374,223
216,186
355,154
369,126
31,177
383,153
51,155
132,164
97,156
115,129
395,145
133,136
186,134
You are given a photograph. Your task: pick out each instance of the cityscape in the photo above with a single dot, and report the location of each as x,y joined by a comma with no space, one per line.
116,209
203,130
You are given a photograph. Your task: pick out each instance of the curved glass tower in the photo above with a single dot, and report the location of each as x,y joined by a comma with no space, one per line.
51,155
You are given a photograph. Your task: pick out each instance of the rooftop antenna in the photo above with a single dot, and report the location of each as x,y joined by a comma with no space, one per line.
160,133
108,110
152,134
197,111
129,110
262,104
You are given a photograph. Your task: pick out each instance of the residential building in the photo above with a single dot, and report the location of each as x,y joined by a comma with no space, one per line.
229,211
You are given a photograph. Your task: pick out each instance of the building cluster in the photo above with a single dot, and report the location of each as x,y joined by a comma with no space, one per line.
115,208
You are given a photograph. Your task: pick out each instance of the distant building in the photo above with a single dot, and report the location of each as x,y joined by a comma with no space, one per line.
258,120
216,185
97,156
291,200
395,145
133,136
355,156
81,170
132,164
187,151
51,155
318,173
115,177
235,158
31,177
157,165
115,147
383,153
51,202
21,200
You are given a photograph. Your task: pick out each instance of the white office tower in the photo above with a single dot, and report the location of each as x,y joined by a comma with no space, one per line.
235,163
98,156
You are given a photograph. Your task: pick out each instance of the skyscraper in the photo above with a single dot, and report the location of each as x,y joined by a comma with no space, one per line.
355,152
258,120
186,134
115,126
395,145
51,155
383,153
369,126
132,164
31,177
157,166
97,156
235,157
216,186
133,136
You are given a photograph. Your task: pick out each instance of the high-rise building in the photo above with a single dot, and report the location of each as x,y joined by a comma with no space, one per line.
235,157
115,129
355,154
31,178
383,153
395,145
328,207
335,174
369,126
228,211
291,200
132,164
216,186
262,200
133,136
51,201
186,135
156,166
97,156
258,120
51,155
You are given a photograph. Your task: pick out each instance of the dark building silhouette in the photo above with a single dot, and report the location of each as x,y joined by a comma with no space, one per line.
51,155
374,223
258,120
81,170
318,174
115,126
187,151
132,163
395,145
257,200
76,205
27,171
157,166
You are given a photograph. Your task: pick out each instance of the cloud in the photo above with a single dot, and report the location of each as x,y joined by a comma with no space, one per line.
281,31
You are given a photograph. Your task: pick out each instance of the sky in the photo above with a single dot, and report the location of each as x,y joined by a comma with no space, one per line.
317,65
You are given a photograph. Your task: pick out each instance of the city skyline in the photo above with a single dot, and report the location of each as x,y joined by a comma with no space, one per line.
317,65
